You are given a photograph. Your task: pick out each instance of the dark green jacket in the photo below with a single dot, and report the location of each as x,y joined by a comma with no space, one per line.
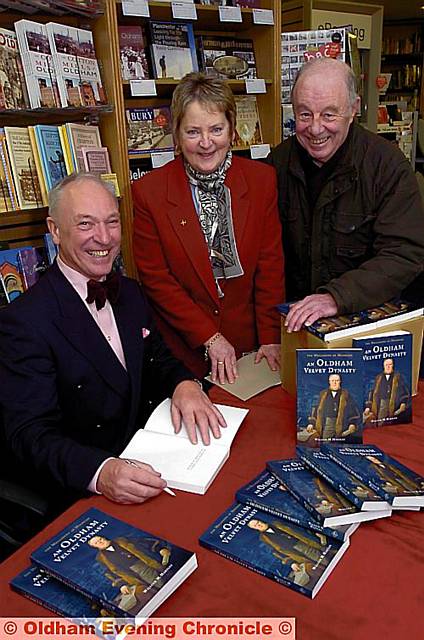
367,234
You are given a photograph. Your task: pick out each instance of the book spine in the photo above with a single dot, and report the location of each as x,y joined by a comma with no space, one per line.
110,606
8,172
247,565
336,485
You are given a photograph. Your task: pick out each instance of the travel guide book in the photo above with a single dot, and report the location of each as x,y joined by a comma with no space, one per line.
299,559
387,378
185,466
267,493
346,483
328,506
330,396
399,485
127,571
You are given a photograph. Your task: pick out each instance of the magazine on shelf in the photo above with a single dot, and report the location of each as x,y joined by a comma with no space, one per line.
185,466
124,569
296,558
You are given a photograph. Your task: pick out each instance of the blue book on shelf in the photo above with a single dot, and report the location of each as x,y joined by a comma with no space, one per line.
51,248
330,396
124,569
399,485
10,273
51,154
326,504
267,493
297,558
387,378
346,483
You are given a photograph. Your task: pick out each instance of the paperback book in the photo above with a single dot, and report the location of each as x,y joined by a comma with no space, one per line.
78,137
132,50
37,64
125,570
13,92
32,263
267,493
9,197
226,57
149,129
185,466
23,167
387,378
173,49
344,482
395,483
10,274
248,125
76,66
330,396
299,559
326,504
51,154
96,160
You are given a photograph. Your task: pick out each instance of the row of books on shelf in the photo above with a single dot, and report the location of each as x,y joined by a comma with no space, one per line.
33,159
48,65
150,128
21,268
406,45
292,523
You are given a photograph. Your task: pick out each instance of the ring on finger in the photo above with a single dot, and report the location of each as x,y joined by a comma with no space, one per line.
221,362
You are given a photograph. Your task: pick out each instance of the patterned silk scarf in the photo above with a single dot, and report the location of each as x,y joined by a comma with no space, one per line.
214,210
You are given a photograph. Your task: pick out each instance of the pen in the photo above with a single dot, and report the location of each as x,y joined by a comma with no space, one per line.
134,464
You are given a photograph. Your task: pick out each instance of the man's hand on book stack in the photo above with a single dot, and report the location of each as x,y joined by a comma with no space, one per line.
310,309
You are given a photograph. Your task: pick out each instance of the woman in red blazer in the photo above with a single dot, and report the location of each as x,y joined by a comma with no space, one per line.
207,239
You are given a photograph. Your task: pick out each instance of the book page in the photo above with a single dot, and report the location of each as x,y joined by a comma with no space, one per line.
253,378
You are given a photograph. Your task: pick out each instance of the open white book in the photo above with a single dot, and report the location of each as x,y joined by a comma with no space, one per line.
185,466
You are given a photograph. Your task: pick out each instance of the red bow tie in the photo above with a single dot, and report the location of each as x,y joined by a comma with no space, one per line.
100,291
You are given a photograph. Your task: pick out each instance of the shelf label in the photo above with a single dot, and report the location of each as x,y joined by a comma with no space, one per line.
255,85
159,158
263,16
136,8
142,88
259,151
184,10
230,14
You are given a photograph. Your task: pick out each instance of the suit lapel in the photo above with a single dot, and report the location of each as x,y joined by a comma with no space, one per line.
185,223
79,328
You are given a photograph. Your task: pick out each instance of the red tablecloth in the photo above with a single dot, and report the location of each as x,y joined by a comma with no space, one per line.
376,591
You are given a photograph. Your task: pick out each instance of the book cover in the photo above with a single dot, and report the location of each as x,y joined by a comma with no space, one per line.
66,148
38,165
23,167
387,378
7,172
32,263
326,504
399,485
9,271
347,484
149,129
248,125
173,49
226,57
13,92
330,396
267,493
124,569
51,247
79,136
39,586
51,154
252,378
37,64
299,559
185,466
96,160
132,50
76,66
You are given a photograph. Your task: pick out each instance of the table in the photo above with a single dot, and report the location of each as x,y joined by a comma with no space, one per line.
376,591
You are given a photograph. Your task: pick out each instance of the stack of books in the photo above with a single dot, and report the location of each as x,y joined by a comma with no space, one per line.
292,523
100,567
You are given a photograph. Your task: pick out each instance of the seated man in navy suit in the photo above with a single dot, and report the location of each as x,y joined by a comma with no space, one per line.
82,362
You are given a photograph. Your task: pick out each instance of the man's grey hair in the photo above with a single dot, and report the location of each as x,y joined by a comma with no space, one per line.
55,194
329,66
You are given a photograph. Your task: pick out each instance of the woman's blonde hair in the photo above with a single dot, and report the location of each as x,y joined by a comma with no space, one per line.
211,93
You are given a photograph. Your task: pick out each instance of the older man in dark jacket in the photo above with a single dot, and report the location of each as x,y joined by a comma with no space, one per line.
352,215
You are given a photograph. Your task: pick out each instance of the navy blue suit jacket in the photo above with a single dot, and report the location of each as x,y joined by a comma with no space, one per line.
66,400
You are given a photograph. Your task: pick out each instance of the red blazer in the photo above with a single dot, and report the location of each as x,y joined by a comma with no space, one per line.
173,262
